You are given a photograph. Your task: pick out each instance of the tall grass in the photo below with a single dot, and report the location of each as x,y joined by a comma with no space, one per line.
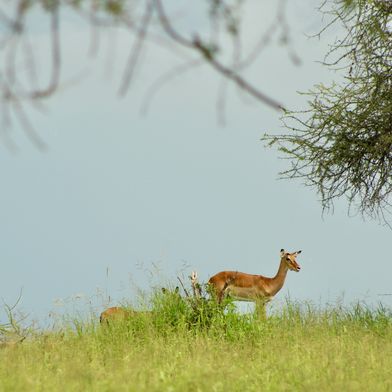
195,345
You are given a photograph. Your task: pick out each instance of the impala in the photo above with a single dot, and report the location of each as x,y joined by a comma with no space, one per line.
117,313
257,288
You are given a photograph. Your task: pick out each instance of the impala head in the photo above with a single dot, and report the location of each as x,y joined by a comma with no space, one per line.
291,259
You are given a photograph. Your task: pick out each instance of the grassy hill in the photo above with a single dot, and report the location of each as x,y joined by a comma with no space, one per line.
181,345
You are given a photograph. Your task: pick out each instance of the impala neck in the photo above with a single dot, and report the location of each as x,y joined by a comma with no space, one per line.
277,281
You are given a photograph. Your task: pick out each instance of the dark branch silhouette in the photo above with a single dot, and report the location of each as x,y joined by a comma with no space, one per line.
147,21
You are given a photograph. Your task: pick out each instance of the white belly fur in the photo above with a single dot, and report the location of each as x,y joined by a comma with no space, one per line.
246,294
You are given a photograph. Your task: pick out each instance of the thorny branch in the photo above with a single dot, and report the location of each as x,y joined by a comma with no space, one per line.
13,332
342,144
147,21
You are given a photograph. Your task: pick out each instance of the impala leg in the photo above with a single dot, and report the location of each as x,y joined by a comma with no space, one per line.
220,296
218,291
260,310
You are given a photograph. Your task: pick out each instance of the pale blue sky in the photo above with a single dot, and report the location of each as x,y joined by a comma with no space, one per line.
119,191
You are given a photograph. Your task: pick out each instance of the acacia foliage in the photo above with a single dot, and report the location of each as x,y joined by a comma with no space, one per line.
342,143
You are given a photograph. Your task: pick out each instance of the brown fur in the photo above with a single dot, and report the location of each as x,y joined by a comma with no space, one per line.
115,313
254,287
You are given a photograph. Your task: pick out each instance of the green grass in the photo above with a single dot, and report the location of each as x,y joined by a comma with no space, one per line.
197,347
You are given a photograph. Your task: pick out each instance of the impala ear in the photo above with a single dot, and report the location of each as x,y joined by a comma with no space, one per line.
282,252
298,252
